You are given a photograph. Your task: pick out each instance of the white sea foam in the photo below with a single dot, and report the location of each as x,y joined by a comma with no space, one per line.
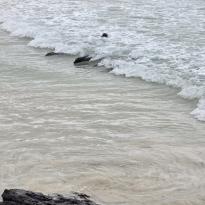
158,41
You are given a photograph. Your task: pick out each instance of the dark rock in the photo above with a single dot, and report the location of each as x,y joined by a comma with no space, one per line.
53,54
22,197
82,59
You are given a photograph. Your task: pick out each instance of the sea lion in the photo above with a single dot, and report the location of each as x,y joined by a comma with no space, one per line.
104,35
87,58
53,54
82,59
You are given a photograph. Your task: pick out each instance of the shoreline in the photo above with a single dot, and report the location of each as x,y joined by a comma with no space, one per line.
194,100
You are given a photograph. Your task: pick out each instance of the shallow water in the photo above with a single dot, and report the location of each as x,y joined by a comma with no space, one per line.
120,140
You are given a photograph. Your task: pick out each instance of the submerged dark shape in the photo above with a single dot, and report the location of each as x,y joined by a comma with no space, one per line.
53,54
22,197
82,59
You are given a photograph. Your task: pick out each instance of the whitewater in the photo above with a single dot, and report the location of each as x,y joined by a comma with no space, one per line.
159,41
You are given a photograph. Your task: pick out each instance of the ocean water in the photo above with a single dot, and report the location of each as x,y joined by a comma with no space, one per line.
120,140
111,135
159,41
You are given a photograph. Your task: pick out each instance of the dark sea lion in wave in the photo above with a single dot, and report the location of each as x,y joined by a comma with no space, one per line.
104,35
53,54
87,58
82,59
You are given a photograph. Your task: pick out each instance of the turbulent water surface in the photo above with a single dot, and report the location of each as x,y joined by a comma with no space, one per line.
121,140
